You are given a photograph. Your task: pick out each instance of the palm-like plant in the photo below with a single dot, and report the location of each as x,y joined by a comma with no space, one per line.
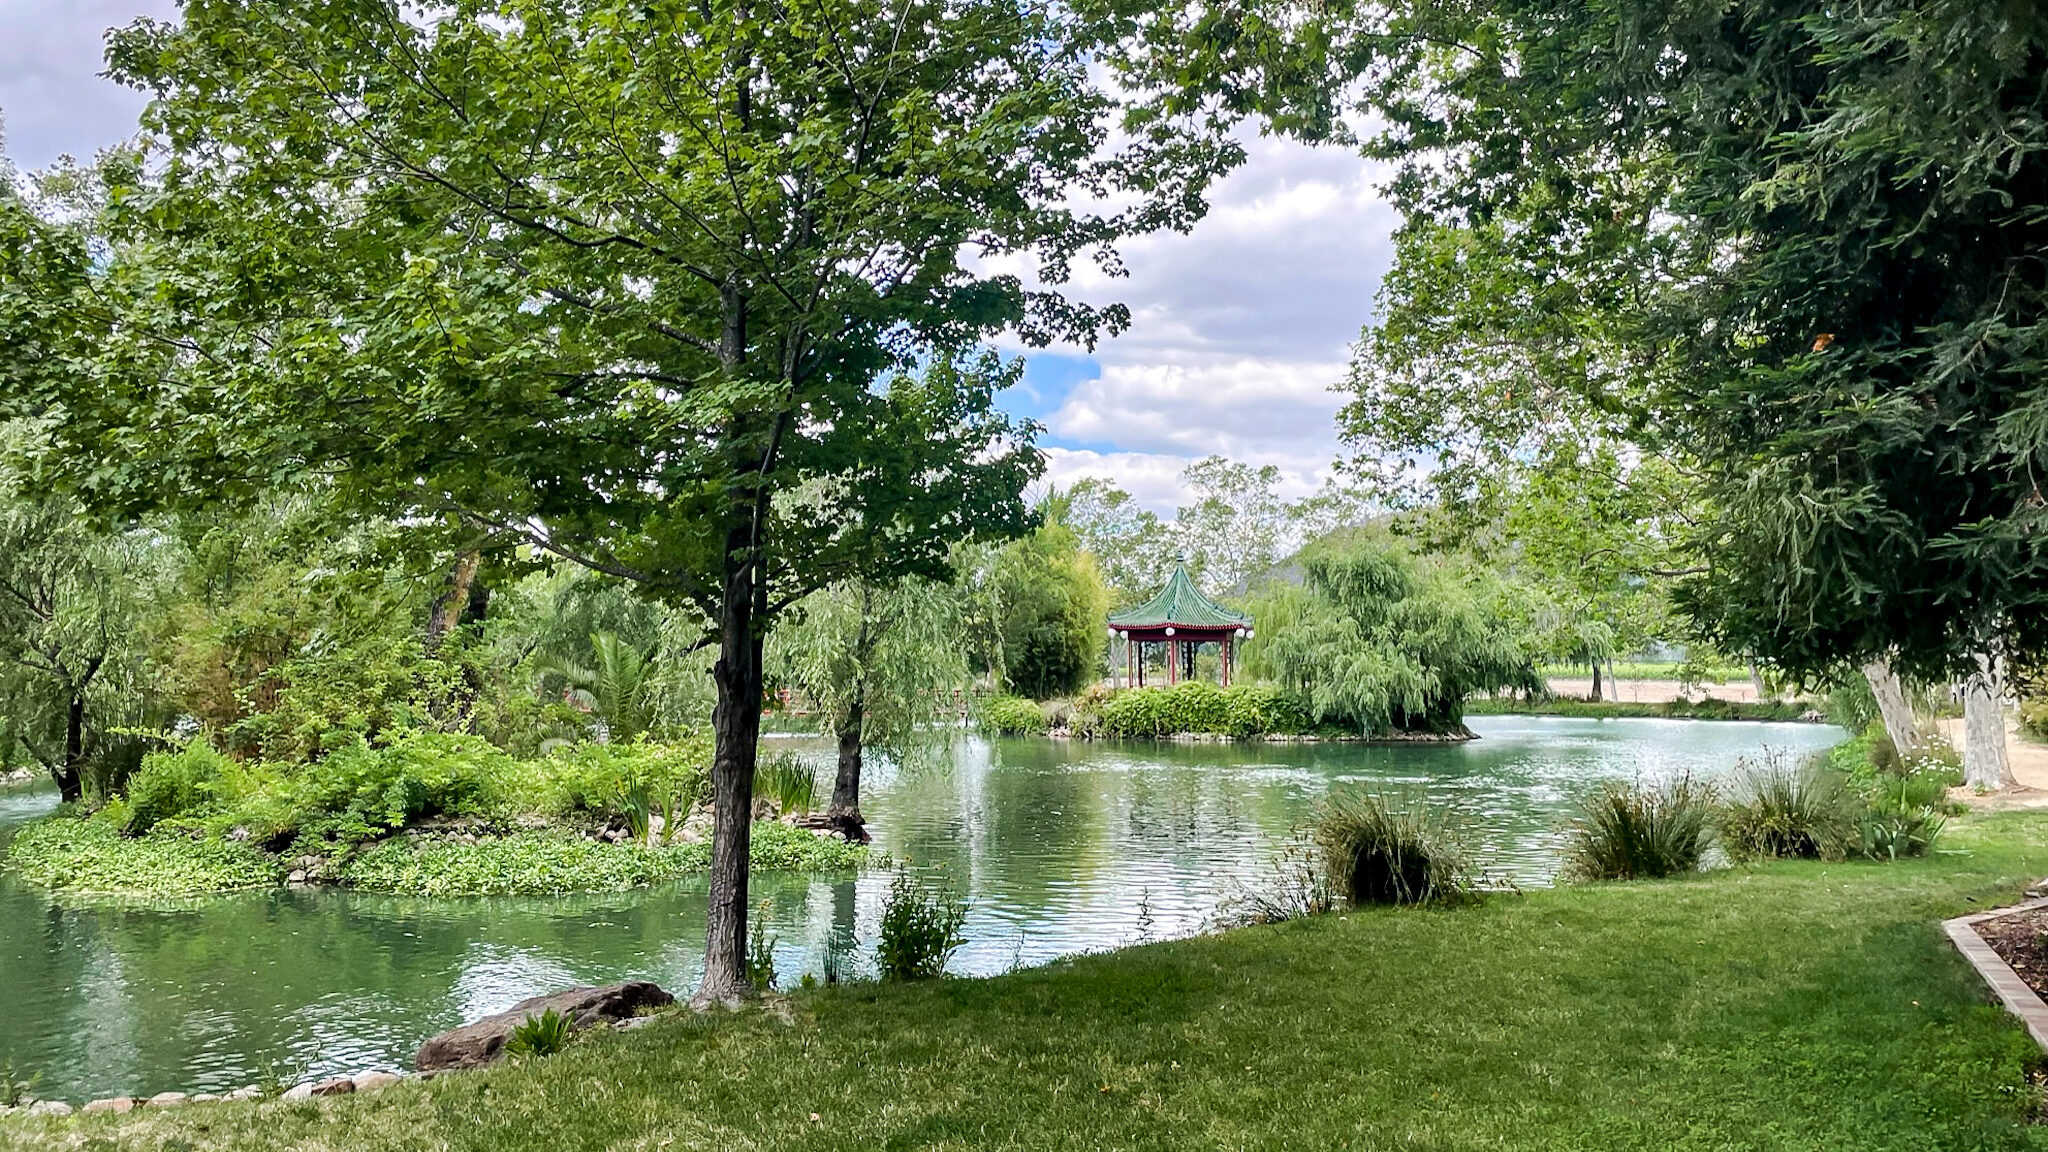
615,688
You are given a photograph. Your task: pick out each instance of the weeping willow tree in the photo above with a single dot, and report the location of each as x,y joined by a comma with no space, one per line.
878,663
1378,640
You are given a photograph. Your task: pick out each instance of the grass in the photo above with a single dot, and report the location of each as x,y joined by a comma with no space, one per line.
1705,709
1653,670
1789,1005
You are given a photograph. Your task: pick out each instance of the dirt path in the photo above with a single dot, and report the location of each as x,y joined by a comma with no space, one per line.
2029,761
1653,691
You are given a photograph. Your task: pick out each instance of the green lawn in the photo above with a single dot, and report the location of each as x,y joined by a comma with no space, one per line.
1794,1006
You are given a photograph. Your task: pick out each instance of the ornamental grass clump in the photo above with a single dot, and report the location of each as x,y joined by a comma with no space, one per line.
1636,832
1379,852
1781,810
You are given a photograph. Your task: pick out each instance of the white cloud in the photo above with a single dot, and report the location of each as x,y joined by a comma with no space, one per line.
1240,327
52,97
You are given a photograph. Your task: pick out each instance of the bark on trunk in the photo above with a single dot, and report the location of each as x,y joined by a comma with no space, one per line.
1756,681
453,601
1984,762
736,723
1596,681
1894,708
845,810
71,773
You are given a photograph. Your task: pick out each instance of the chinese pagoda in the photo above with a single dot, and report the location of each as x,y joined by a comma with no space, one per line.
1183,619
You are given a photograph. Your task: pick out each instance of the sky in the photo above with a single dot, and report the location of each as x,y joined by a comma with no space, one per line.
1239,328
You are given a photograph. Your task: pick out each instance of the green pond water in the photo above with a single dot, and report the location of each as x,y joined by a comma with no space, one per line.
1059,848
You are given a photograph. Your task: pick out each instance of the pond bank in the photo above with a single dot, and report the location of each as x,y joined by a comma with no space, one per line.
1058,847
1620,1016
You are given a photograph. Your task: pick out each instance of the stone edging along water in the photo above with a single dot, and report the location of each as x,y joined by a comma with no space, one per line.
2019,999
119,1105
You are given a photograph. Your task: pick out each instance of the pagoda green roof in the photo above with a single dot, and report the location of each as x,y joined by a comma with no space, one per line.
1181,604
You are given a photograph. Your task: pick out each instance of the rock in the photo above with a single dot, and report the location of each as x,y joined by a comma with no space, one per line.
167,1099
372,1081
632,1022
114,1104
246,1092
49,1108
474,1045
299,1092
339,1086
206,1098
238,834
765,809
298,876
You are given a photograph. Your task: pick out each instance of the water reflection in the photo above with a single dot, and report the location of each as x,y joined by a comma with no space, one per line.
1059,848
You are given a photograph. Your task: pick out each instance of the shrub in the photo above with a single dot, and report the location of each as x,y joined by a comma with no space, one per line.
173,784
1200,707
361,792
921,929
1781,810
1258,710
623,782
542,1035
1010,716
788,781
1633,832
1380,853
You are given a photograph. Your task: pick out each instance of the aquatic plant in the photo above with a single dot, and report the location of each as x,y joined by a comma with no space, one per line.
542,1035
921,929
788,781
1633,832
16,1089
1379,852
1298,885
760,951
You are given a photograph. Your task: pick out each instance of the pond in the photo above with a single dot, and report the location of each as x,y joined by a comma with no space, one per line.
1059,848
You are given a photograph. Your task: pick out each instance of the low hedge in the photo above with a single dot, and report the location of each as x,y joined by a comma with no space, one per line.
1707,709
1196,708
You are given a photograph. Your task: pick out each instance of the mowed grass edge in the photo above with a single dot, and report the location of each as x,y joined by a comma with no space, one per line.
1787,1006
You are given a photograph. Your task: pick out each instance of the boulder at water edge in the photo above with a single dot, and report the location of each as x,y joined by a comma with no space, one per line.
474,1045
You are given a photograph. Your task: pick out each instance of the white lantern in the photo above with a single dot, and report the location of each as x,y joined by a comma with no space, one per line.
1240,633
1249,633
1169,631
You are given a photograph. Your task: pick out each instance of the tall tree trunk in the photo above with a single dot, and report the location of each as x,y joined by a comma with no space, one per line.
736,725
1984,762
1613,682
70,773
1756,681
454,599
845,810
1894,708
1596,680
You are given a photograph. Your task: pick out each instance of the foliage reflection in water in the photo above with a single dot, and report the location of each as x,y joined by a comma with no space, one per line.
1059,848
